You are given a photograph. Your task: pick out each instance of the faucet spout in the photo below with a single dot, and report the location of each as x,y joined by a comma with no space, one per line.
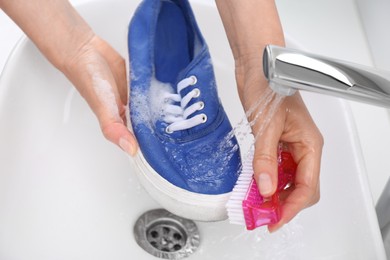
288,70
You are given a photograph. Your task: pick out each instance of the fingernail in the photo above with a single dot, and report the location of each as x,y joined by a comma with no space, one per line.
265,184
274,229
127,146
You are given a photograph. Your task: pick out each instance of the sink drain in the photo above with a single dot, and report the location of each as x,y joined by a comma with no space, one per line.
166,235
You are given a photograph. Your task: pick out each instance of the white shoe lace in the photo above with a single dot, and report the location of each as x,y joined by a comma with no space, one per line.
177,116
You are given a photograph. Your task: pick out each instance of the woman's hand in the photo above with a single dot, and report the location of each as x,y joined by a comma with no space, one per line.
99,74
292,125
250,25
95,68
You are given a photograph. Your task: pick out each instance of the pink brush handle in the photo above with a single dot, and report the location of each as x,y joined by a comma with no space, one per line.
260,211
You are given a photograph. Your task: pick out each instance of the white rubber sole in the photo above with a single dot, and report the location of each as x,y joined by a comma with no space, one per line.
179,201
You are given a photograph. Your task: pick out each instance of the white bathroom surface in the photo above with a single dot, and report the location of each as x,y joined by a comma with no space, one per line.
66,193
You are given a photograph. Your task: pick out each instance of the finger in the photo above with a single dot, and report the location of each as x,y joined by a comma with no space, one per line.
111,114
306,191
112,121
118,134
291,209
265,161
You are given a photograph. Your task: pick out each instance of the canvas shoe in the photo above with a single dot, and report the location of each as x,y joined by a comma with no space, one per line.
188,159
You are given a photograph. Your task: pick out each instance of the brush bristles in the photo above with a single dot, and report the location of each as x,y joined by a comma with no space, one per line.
234,204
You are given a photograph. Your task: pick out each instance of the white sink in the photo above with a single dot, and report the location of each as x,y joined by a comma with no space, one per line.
66,193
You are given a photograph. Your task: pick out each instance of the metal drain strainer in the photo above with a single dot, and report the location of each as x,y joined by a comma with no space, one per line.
166,235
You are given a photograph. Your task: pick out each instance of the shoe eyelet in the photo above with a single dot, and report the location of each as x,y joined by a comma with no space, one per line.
204,118
194,79
197,92
168,130
201,105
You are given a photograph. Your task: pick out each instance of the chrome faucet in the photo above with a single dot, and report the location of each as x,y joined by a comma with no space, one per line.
288,70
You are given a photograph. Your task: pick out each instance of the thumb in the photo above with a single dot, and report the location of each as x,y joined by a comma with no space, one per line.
117,133
265,164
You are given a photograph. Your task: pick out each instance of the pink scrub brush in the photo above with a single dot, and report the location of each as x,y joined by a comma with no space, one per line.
247,207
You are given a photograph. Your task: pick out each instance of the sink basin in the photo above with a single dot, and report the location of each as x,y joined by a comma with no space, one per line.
67,193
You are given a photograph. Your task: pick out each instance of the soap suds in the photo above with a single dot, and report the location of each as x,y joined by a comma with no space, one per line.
148,106
104,92
140,106
157,93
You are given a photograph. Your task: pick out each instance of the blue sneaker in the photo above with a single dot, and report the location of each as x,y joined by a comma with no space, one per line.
189,159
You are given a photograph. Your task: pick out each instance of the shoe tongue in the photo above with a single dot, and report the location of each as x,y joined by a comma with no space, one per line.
202,68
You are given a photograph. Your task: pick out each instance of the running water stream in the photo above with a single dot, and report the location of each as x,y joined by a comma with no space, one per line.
259,114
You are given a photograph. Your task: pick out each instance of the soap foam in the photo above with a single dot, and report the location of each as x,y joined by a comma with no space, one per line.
158,91
104,92
149,102
139,102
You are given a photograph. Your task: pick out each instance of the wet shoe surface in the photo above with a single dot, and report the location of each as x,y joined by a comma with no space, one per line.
183,131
